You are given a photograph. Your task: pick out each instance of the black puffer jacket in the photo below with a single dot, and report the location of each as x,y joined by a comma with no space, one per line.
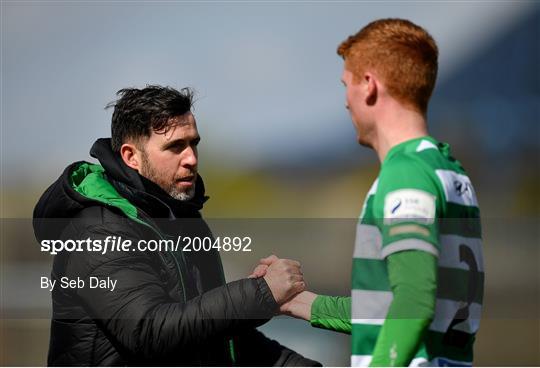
167,308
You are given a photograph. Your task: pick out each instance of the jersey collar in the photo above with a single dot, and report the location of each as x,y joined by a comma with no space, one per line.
409,146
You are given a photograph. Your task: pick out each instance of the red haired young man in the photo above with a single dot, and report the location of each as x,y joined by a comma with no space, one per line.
417,278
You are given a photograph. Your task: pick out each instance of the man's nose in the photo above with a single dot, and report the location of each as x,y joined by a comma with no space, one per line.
190,157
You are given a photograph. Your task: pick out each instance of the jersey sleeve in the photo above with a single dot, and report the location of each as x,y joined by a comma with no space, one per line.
413,279
332,313
408,205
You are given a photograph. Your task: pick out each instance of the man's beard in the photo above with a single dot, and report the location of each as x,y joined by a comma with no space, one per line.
149,172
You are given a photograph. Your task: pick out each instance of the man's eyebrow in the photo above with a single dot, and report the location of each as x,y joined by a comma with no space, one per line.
343,82
180,141
174,142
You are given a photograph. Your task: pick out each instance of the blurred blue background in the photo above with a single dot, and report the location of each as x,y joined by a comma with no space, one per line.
277,140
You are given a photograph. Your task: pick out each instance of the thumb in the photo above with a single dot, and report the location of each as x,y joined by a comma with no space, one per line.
269,260
259,271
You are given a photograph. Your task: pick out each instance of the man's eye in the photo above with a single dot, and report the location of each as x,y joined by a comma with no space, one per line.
176,147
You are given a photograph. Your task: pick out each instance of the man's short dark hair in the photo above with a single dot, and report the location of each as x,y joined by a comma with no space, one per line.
138,112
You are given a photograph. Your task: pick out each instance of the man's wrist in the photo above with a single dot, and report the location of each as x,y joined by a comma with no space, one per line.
301,305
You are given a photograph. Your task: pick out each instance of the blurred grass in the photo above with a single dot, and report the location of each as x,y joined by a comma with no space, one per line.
298,194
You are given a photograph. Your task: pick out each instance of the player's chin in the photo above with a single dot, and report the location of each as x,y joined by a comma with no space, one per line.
362,141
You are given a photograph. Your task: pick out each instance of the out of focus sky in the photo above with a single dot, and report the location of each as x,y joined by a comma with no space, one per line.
266,73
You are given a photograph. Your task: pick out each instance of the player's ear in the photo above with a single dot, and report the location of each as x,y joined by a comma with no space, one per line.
370,89
131,155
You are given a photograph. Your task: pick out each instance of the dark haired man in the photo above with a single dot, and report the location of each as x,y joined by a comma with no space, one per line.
167,307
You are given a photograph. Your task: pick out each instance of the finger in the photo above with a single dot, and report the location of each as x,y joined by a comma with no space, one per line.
295,272
269,260
292,268
253,275
295,278
260,270
299,286
292,262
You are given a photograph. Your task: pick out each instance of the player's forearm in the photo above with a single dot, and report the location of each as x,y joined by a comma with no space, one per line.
412,276
300,306
398,342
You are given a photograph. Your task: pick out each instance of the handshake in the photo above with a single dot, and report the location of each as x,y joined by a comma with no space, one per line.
286,282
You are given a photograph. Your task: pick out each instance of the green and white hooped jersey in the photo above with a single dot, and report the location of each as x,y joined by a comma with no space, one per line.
422,200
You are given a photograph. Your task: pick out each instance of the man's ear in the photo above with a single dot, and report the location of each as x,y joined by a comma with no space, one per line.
370,89
131,156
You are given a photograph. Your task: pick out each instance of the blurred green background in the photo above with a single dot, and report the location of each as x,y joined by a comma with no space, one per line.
277,141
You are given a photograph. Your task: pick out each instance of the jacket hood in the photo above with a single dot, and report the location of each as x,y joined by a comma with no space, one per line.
114,165
112,184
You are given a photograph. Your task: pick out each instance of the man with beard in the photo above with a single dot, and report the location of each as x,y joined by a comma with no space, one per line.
167,307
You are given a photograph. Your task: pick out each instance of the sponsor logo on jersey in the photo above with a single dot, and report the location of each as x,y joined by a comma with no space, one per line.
457,188
409,204
462,187
395,207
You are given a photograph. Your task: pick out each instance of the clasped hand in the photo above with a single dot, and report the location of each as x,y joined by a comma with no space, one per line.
286,281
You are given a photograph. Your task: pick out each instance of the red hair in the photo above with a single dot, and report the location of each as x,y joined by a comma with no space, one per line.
402,54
